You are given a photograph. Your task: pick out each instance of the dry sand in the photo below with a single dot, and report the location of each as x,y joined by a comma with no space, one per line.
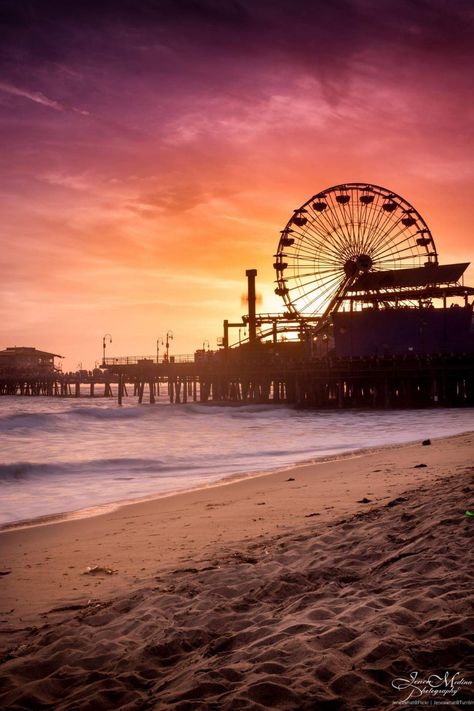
283,591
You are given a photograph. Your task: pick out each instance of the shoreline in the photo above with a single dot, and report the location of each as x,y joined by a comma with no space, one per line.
45,566
111,506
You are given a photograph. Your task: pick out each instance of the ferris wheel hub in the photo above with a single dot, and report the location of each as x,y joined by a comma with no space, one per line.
361,263
364,262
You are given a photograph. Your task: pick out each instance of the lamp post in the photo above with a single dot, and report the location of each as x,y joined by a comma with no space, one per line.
169,337
107,335
159,342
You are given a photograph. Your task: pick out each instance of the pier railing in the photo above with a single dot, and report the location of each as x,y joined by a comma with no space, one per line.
136,359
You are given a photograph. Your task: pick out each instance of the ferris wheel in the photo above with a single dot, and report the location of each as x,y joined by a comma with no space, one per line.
338,235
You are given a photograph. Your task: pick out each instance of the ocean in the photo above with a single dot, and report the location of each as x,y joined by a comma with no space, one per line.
59,456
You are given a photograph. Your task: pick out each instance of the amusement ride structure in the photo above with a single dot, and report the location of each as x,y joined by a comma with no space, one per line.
351,248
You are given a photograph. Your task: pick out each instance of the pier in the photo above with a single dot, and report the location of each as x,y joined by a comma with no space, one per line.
371,319
264,377
54,385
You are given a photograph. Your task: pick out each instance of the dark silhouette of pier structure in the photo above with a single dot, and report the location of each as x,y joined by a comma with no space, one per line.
371,320
263,376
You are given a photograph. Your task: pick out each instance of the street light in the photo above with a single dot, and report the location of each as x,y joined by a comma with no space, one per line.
169,337
107,335
159,342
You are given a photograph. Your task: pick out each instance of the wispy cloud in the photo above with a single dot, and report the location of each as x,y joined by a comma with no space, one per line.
36,96
39,98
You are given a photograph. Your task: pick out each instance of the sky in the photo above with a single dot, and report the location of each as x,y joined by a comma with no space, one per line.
152,150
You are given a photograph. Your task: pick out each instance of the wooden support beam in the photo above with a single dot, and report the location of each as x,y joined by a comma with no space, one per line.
120,388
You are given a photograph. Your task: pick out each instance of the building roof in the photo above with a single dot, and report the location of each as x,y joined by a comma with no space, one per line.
428,275
27,350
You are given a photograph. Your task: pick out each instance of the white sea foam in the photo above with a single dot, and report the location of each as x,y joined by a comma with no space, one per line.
62,455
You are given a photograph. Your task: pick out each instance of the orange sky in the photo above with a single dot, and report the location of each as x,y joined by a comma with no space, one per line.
153,151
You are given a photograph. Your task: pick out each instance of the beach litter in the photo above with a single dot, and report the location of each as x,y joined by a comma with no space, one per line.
426,442
98,570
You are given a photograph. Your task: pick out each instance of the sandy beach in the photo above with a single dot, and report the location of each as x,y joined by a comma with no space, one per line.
309,588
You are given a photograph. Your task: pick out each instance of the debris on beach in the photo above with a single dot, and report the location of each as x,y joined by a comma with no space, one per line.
419,466
98,570
290,479
426,442
365,500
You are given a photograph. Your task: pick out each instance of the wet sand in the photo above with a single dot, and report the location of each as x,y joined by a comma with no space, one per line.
311,588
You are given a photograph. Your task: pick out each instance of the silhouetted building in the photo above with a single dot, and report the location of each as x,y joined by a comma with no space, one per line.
28,359
395,332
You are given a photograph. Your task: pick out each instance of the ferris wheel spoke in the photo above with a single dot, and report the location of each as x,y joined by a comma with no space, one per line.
367,212
374,218
333,229
321,283
403,232
356,221
395,228
396,247
384,225
327,296
324,245
380,230
341,227
387,235
311,254
325,235
326,248
320,291
314,239
359,222
314,274
395,261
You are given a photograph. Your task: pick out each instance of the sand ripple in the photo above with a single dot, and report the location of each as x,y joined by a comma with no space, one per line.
321,621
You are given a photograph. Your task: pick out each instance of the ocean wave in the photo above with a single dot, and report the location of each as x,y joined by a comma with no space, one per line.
129,467
28,420
111,413
61,418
